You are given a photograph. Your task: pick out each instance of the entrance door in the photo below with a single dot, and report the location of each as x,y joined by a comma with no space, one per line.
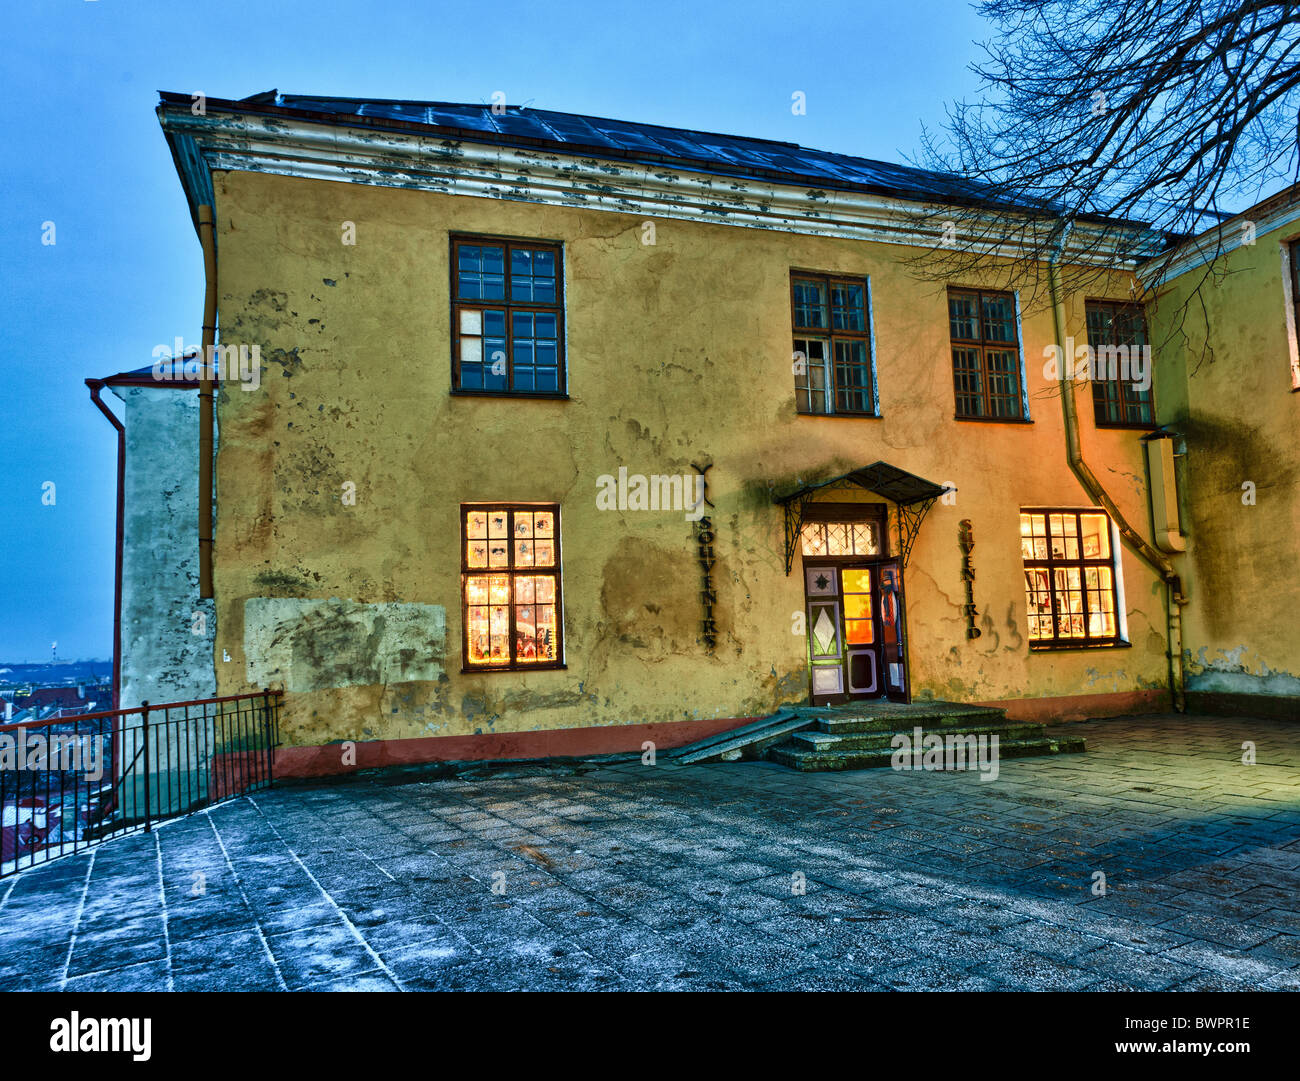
845,631
861,637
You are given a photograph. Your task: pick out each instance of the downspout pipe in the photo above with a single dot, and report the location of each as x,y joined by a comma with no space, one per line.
207,402
1157,560
97,385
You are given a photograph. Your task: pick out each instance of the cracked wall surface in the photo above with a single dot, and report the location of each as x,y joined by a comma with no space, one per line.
314,645
676,352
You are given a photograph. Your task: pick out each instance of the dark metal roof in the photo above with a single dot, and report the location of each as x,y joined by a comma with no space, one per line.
733,155
883,479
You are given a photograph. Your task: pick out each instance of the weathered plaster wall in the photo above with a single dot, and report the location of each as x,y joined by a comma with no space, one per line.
677,352
309,645
163,659
1239,419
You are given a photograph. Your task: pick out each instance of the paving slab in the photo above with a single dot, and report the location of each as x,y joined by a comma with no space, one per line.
1155,861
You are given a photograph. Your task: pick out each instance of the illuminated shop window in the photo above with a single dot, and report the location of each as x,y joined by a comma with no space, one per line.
1071,578
510,585
507,317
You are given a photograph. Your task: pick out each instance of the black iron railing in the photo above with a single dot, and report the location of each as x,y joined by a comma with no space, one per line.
69,782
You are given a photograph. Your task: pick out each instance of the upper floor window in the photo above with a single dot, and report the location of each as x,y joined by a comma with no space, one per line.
832,346
1070,578
1121,376
507,317
985,355
510,583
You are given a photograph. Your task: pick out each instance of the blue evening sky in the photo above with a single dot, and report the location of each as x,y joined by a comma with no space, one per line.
82,149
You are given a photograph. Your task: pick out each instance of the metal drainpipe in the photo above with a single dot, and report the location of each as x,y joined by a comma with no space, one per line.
1174,599
207,403
96,385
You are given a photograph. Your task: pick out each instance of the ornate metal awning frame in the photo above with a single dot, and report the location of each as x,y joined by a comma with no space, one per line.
912,495
910,517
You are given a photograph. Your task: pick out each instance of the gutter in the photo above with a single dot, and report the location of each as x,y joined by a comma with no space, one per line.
97,385
207,402
1158,561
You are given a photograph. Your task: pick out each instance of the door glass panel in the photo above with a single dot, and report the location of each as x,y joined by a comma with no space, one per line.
889,606
856,587
824,633
828,680
820,581
862,672
856,580
858,632
857,606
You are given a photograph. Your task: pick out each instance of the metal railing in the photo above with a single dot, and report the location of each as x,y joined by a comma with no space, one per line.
67,783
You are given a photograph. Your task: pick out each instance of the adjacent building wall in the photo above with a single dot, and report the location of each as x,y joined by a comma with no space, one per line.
1228,394
678,352
163,658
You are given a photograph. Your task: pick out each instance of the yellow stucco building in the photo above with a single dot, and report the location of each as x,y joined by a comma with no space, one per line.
1228,377
536,456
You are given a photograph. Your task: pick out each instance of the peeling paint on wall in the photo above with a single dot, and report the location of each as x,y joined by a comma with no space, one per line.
1235,671
313,645
384,419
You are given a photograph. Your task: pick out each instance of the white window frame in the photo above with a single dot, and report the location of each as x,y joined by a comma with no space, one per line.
1288,295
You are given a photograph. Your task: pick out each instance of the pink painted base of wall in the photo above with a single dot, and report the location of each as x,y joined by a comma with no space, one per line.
1079,707
322,761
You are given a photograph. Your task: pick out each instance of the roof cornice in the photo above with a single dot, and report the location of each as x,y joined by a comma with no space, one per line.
1276,212
238,137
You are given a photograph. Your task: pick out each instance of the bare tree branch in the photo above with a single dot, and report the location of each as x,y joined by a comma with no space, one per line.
1141,122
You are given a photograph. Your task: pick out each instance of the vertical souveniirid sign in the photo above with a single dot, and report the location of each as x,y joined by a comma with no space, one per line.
966,538
704,537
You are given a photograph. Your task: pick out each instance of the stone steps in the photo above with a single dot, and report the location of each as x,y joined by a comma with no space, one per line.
861,735
809,761
1006,732
896,721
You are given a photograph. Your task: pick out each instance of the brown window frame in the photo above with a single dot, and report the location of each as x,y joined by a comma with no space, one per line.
1052,563
512,571
1101,398
982,348
832,336
510,306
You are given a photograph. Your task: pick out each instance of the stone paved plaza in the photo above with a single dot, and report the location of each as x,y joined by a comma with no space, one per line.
624,876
